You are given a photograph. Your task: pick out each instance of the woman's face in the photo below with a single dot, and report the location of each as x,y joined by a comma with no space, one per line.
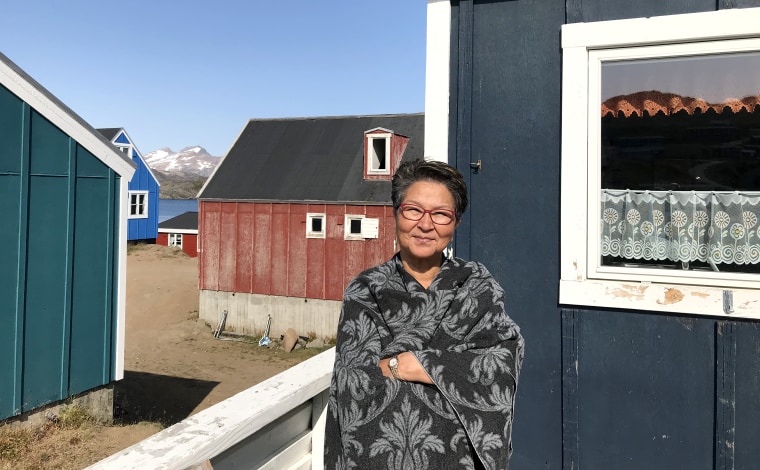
422,240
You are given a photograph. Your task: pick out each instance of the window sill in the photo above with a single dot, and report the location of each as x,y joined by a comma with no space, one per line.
671,298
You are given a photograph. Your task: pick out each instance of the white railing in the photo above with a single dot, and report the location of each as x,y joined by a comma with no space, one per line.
277,424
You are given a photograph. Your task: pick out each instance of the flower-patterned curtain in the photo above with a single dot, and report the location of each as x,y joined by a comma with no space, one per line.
721,227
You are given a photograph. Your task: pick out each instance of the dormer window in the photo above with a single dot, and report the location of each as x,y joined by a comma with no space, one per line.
383,149
378,154
126,149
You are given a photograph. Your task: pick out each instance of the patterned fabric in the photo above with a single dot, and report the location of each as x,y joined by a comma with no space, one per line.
470,348
721,227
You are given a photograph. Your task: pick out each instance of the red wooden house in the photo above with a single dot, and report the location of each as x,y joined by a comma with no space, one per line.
180,231
293,212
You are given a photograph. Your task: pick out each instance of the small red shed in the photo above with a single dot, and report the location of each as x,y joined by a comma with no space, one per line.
293,212
180,231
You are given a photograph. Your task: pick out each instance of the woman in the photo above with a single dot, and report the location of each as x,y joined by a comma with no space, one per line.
427,360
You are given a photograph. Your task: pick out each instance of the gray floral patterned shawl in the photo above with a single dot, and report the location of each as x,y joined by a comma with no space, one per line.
469,347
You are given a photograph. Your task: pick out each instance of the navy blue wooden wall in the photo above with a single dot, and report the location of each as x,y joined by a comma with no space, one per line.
600,389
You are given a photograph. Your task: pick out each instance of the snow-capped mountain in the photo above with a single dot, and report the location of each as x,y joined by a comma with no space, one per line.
189,160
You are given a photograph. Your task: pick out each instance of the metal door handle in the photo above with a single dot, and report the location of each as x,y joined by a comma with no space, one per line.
476,166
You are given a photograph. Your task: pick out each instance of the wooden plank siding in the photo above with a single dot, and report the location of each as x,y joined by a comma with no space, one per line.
600,388
261,248
143,179
59,275
296,251
208,259
228,252
278,267
335,263
244,257
314,259
63,197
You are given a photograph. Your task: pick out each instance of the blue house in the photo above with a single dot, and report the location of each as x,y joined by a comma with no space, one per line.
63,199
144,189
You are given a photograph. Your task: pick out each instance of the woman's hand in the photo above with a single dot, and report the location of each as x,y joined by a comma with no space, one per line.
409,369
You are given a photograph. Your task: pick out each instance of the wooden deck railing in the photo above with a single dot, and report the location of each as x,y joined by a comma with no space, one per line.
277,424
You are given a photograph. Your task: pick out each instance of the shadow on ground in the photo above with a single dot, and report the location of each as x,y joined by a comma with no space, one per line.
141,396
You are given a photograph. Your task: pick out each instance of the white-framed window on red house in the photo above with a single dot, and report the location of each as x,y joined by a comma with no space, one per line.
175,239
359,227
315,225
379,154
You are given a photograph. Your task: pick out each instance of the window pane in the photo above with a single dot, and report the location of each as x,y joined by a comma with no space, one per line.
378,153
356,226
679,137
682,123
132,204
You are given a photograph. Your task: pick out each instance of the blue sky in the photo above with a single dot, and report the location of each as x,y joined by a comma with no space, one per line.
182,73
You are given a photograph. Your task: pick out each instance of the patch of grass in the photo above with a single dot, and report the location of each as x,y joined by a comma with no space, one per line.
17,441
72,416
14,442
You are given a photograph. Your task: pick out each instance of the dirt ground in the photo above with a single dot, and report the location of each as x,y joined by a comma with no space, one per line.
174,367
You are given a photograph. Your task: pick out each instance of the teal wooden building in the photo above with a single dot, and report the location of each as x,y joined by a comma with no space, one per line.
63,199
144,189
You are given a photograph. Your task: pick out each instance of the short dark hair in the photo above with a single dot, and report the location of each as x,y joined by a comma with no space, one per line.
410,172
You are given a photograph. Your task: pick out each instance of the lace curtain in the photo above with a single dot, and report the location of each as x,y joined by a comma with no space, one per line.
708,226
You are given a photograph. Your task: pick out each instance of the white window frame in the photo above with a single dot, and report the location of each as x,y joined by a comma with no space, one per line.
372,155
139,215
126,149
310,216
347,235
370,227
583,280
172,239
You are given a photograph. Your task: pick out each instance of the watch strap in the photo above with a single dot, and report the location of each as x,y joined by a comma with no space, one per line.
393,366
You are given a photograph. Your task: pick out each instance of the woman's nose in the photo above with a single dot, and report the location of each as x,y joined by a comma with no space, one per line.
426,222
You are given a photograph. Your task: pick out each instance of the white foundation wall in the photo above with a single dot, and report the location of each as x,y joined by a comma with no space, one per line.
247,313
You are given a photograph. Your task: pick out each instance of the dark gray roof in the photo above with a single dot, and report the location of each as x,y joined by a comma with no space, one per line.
185,221
309,159
110,132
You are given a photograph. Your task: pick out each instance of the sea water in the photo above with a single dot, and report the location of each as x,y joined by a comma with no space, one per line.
168,208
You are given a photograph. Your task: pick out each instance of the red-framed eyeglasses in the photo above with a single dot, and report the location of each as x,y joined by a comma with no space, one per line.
438,216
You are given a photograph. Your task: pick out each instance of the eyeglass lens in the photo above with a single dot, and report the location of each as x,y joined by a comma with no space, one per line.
415,213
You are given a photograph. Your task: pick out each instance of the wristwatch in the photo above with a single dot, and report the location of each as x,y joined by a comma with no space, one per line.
393,366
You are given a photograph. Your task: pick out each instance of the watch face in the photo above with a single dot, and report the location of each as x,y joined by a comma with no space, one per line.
393,362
